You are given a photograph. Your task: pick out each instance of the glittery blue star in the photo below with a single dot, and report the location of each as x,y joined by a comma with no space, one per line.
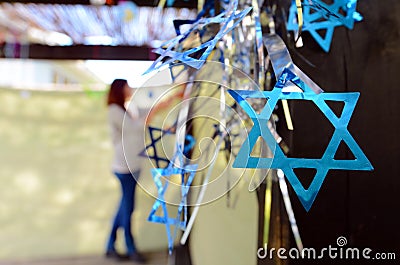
280,161
228,22
319,16
151,150
152,147
332,12
187,172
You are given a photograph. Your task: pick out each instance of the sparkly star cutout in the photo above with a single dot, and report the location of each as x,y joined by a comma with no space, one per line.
158,174
151,151
152,147
228,22
319,16
280,161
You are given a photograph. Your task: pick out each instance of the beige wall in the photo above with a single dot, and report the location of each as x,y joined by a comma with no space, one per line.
58,194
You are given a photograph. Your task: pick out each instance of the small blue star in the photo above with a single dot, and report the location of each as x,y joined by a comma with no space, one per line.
280,161
165,173
152,146
224,19
318,16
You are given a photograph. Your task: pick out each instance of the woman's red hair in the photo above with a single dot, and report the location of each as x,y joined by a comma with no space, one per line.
116,93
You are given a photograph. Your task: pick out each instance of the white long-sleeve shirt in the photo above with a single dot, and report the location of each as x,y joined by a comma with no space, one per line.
127,134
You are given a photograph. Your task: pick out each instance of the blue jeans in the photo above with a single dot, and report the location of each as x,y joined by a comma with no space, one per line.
123,216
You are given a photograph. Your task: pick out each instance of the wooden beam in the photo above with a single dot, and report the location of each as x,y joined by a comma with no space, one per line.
75,52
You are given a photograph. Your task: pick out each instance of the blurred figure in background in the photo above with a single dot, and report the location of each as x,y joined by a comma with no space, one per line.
127,130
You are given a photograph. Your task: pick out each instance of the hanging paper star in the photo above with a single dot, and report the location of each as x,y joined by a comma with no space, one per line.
153,147
332,12
280,161
227,22
319,16
158,174
171,44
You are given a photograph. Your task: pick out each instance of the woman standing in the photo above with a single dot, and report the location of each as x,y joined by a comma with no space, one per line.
127,130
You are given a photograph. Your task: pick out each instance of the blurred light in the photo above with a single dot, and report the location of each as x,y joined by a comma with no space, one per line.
97,2
128,11
64,197
27,182
132,71
98,40
247,21
49,37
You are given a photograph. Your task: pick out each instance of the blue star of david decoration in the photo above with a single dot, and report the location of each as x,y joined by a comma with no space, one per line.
158,174
318,16
280,161
207,7
205,49
153,146
162,161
